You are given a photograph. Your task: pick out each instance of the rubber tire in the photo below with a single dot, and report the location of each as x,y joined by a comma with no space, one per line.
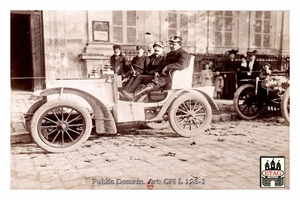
236,103
156,125
172,115
33,109
50,105
284,105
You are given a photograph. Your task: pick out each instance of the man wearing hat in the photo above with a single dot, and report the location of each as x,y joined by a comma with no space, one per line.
176,59
253,65
154,67
229,70
118,61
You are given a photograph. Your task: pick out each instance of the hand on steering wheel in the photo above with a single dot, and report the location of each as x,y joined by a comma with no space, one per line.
134,66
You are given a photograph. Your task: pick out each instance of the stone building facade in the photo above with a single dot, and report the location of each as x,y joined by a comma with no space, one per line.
71,43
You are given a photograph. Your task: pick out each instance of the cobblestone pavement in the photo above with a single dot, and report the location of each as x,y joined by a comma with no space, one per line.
226,156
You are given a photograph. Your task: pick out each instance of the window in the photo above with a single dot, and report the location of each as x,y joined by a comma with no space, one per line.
223,28
124,26
262,28
178,25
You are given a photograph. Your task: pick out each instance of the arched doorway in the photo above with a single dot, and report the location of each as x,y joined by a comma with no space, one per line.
27,52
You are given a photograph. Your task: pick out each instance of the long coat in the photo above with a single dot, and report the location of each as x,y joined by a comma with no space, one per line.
175,60
156,63
229,69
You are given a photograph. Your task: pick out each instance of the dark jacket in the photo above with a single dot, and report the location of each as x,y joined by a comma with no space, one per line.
255,69
142,61
242,72
156,63
229,66
177,60
118,64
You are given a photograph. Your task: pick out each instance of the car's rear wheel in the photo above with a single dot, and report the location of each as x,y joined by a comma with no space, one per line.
190,114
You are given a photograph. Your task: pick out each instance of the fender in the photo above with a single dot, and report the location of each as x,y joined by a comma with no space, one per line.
210,100
104,120
178,93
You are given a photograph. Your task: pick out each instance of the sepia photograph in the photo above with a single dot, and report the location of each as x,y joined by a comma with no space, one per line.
128,99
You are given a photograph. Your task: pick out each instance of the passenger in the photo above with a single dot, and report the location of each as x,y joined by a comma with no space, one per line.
176,59
156,63
140,60
265,71
150,50
118,61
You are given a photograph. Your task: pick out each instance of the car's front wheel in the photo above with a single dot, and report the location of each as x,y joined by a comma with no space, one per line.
61,125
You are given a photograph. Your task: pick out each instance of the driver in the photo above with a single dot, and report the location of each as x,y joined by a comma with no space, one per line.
141,60
176,59
156,63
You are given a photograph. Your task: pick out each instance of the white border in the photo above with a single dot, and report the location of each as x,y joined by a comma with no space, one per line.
152,5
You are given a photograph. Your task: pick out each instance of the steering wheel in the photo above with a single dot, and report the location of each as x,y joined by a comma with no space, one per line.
138,67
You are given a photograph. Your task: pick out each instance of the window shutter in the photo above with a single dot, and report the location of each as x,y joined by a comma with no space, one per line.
117,18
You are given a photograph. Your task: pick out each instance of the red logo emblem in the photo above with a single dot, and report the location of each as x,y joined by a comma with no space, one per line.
149,185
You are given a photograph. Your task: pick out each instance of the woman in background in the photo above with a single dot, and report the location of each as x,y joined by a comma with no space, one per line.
242,71
206,75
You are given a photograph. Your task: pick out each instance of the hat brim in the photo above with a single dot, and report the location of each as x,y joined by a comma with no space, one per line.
233,52
251,53
157,45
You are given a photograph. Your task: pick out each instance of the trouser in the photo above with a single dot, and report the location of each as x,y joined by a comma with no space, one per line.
159,82
139,79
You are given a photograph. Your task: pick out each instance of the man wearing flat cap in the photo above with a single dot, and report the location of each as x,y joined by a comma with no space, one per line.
229,71
176,59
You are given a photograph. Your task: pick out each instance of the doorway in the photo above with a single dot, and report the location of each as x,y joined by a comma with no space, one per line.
26,53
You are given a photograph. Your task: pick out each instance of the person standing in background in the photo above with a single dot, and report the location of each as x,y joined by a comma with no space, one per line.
118,61
253,66
229,74
206,75
242,71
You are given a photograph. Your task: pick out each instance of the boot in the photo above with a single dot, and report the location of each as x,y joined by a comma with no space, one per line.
137,94
125,96
144,90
